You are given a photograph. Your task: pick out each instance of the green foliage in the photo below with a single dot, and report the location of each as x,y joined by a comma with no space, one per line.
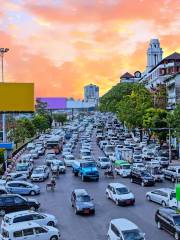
41,123
28,126
176,120
60,118
2,155
133,106
41,107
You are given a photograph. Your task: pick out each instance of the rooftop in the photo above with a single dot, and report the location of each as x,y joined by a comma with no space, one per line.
127,76
124,224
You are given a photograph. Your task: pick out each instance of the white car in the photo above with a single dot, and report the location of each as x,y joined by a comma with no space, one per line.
58,165
153,163
29,231
103,162
34,153
49,158
140,166
25,216
40,173
120,194
123,229
69,159
66,151
163,196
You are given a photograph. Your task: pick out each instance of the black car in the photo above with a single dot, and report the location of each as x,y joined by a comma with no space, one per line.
169,220
82,202
15,202
142,177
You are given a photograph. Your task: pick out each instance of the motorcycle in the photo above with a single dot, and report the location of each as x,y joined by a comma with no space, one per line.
109,173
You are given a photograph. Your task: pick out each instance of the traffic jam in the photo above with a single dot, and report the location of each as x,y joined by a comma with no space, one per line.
91,179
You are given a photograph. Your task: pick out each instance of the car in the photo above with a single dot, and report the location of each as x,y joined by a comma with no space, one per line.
41,173
69,160
3,190
103,162
66,152
164,161
24,168
123,229
169,220
120,194
82,202
26,158
49,158
172,173
58,165
137,159
15,176
34,153
138,166
40,150
142,177
15,202
152,163
29,215
163,196
29,231
22,187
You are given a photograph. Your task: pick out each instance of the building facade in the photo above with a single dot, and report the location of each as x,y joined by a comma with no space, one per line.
91,93
129,78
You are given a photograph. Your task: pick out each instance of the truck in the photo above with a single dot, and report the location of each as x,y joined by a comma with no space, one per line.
85,169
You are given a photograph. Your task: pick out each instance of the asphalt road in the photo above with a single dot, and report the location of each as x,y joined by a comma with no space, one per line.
77,227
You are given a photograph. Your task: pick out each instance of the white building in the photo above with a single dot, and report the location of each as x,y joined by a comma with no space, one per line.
129,78
91,93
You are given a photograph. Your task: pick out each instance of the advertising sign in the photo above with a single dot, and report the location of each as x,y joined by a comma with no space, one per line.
54,103
16,97
178,192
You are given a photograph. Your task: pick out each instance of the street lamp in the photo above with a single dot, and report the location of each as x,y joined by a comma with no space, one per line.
2,52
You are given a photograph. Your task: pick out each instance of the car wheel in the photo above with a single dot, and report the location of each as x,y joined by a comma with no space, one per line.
163,203
117,202
148,198
142,184
54,238
2,213
51,223
83,179
32,193
176,236
107,195
159,225
32,208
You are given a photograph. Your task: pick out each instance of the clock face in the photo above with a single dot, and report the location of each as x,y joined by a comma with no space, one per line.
137,74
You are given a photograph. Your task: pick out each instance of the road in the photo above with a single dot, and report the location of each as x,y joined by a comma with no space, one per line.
76,227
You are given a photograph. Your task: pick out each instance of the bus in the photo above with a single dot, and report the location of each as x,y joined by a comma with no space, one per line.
55,143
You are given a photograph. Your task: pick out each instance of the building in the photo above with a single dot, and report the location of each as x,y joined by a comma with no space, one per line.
159,69
91,93
129,78
173,90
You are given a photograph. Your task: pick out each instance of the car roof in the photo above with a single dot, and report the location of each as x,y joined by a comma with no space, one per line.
116,185
20,213
169,211
25,182
80,191
20,226
168,190
124,224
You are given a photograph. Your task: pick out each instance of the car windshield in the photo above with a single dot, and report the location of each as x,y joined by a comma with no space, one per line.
38,171
84,198
21,168
88,165
51,156
145,174
70,158
132,235
177,220
104,160
122,190
126,166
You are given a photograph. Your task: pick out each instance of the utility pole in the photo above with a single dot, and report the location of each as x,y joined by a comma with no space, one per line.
2,52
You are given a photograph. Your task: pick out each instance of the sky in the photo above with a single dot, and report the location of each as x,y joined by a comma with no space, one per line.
63,45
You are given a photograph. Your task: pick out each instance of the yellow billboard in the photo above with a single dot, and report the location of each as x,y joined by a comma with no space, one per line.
16,97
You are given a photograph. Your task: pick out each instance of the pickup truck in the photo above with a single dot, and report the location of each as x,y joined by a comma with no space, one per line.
85,169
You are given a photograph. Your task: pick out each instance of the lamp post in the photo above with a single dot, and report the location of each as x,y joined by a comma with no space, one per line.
2,52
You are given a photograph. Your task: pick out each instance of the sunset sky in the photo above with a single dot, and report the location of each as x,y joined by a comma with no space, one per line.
62,45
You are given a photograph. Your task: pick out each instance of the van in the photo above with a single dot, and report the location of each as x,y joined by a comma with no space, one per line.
124,229
122,168
29,231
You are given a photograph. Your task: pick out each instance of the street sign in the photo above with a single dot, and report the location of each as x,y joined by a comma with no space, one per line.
178,192
7,146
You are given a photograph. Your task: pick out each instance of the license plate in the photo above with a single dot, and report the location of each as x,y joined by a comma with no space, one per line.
86,211
128,201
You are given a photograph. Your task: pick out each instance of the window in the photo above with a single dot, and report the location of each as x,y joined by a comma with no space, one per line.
37,216
23,219
39,230
17,234
28,232
19,201
9,201
115,230
1,202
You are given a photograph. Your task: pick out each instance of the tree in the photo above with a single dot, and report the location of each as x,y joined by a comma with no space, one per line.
133,106
41,107
60,118
28,126
41,123
176,121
